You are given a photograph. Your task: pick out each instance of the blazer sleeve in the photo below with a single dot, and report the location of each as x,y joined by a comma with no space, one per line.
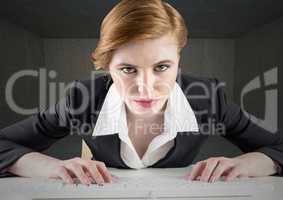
244,133
37,132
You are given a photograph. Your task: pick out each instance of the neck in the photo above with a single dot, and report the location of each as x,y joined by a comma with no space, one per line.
141,124
145,118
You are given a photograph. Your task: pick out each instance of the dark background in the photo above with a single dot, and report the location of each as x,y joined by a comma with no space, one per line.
234,40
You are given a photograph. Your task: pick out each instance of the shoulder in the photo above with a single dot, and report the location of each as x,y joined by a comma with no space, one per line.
88,94
99,84
203,93
193,83
196,85
92,87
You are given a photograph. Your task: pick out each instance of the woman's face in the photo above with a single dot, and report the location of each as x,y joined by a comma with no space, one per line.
144,73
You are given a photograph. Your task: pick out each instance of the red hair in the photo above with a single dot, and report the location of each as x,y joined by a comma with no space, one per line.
132,20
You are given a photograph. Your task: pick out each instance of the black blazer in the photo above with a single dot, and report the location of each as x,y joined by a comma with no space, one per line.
41,130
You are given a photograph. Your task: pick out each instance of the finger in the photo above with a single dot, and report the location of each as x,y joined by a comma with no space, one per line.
226,172
104,171
232,175
196,170
208,169
79,172
221,170
187,175
65,176
94,172
84,164
91,168
89,176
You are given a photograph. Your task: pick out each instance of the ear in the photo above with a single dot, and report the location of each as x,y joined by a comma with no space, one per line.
92,56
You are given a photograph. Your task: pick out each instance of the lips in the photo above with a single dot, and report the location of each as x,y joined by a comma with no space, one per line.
146,103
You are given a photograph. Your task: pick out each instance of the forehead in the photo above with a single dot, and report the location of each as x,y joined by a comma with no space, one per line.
147,51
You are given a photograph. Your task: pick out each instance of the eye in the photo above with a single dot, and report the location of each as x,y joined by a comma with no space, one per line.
161,68
128,70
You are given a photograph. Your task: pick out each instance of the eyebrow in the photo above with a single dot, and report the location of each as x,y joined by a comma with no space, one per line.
132,65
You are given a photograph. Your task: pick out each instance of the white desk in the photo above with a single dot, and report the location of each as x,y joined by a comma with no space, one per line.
144,184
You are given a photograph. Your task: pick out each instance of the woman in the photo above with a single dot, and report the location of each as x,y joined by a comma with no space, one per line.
143,114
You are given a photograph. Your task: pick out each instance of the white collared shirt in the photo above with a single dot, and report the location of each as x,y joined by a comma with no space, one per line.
178,117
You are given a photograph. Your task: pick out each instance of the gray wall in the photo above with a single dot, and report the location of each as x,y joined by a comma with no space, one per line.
19,49
211,58
257,52
70,58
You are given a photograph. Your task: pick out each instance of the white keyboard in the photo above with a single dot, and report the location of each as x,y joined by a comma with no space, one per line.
141,184
160,182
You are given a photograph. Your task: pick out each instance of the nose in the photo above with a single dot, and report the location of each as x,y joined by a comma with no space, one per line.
146,84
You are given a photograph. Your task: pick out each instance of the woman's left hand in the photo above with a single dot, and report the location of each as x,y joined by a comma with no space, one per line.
247,165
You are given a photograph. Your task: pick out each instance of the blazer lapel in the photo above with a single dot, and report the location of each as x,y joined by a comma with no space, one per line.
106,148
187,145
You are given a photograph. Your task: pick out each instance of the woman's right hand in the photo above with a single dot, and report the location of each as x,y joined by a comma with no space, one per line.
36,164
86,171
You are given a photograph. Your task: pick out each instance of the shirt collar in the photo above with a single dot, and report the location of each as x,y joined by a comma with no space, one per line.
178,116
